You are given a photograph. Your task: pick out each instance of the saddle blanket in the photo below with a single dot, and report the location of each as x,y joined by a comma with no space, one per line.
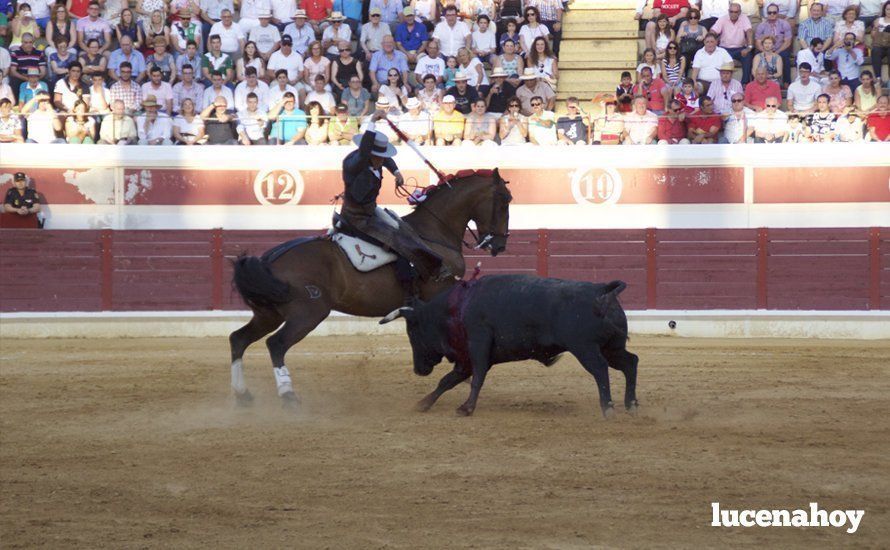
364,255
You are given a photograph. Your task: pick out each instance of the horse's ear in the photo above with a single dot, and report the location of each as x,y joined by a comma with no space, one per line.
497,175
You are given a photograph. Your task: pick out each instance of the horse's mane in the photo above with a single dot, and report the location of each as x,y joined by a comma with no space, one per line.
422,194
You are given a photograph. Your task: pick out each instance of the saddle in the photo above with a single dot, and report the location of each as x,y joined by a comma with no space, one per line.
364,252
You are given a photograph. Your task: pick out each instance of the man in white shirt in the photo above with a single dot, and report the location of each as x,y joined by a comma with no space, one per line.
322,96
430,63
640,125
252,122
217,89
251,85
279,87
288,59
816,59
188,88
161,92
770,125
211,12
452,34
802,93
266,36
541,124
416,123
301,34
250,13
372,34
711,11
153,128
707,62
230,34
737,126
282,12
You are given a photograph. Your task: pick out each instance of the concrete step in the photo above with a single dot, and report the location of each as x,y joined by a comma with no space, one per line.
599,47
582,33
594,56
587,65
625,18
603,5
587,80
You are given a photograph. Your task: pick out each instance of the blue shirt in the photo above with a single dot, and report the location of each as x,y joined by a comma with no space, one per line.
136,60
413,39
26,93
352,9
288,124
381,64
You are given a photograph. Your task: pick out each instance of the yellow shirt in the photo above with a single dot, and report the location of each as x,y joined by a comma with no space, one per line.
448,126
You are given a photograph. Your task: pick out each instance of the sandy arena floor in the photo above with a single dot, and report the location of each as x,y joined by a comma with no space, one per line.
137,443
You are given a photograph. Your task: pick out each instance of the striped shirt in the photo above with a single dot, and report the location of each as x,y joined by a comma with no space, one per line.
547,8
810,29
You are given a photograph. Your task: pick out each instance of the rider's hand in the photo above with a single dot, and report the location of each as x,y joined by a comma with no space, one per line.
400,180
379,114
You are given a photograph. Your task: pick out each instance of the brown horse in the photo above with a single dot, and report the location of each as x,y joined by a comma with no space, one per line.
301,287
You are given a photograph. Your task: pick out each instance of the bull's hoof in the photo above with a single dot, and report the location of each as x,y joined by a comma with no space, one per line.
633,407
244,399
464,410
290,401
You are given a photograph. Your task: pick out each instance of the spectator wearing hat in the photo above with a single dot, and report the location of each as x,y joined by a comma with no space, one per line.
118,128
448,124
480,128
672,126
334,35
300,32
216,89
186,28
513,125
251,85
216,60
640,125
390,12
464,94
152,128
430,62
531,87
250,13
290,122
352,10
286,59
161,91
879,120
416,123
31,87
252,122
722,91
265,35
655,90
573,129
342,128
393,112
388,57
20,198
500,92
373,32
317,11
452,33
411,36
126,89
10,123
230,33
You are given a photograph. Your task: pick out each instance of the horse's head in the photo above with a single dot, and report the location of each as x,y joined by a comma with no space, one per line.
492,216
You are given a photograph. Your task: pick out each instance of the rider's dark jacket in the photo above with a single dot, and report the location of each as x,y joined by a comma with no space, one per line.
361,179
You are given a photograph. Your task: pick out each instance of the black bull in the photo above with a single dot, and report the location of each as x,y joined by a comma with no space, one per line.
502,318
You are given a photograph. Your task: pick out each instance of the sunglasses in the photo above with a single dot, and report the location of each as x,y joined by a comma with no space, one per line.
772,105
772,13
513,106
529,14
672,47
738,100
537,104
694,17
375,15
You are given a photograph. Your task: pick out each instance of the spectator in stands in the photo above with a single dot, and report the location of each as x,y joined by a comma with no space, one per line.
230,35
573,129
430,95
163,60
183,31
770,125
217,89
427,12
30,88
511,62
411,36
385,59
848,59
866,95
499,92
654,90
542,59
126,53
648,60
464,95
850,128
301,34
879,120
640,125
672,126
712,10
161,91
23,58
816,26
282,13
759,89
146,8
707,62
675,10
472,67
23,23
188,128
721,92
335,34
10,124
737,38
786,10
126,89
394,90
315,64
252,122
822,122
840,95
373,33
796,131
848,24
69,90
322,96
451,33
531,30
61,57
93,27
625,93
870,11
705,126
154,28
290,122
392,115
483,41
513,125
780,31
736,127
343,68
450,71
663,34
318,11
265,35
342,128
61,26
218,61
551,14
21,199
432,63
98,95
511,33
448,123
416,123
687,97
211,14
118,128
673,67
479,127
608,127
532,86
802,93
250,13
816,58
880,41
251,85
691,36
220,126
356,98
152,128
93,61
288,60
250,57
317,128
188,88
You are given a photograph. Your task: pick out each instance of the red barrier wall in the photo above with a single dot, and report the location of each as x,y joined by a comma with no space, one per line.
824,269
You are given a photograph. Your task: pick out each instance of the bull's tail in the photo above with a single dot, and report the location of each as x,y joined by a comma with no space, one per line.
257,285
611,310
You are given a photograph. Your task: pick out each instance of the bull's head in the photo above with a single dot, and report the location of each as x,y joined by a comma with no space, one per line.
425,340
492,217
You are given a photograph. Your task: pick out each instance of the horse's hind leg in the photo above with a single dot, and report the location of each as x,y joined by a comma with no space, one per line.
262,323
302,319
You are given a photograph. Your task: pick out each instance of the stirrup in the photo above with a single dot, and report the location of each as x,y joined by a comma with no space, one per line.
444,274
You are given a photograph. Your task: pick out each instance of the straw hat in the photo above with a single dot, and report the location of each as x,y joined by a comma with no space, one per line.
461,76
529,73
299,14
727,67
412,103
498,71
336,16
150,101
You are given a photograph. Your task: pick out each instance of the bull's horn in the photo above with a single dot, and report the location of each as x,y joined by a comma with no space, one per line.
395,314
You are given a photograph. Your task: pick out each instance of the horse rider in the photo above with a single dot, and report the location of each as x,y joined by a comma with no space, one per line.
362,176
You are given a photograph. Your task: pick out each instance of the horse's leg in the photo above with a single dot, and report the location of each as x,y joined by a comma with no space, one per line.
262,323
302,319
453,378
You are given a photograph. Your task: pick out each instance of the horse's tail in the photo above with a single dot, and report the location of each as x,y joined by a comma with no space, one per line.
257,285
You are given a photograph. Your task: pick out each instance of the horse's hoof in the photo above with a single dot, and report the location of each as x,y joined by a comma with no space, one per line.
463,410
244,399
609,412
290,401
632,407
423,406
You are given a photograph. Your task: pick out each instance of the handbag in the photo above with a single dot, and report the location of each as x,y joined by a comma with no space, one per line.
881,39
689,45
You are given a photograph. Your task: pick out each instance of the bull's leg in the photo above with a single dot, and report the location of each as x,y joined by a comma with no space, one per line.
262,323
626,362
593,361
299,323
453,378
479,357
